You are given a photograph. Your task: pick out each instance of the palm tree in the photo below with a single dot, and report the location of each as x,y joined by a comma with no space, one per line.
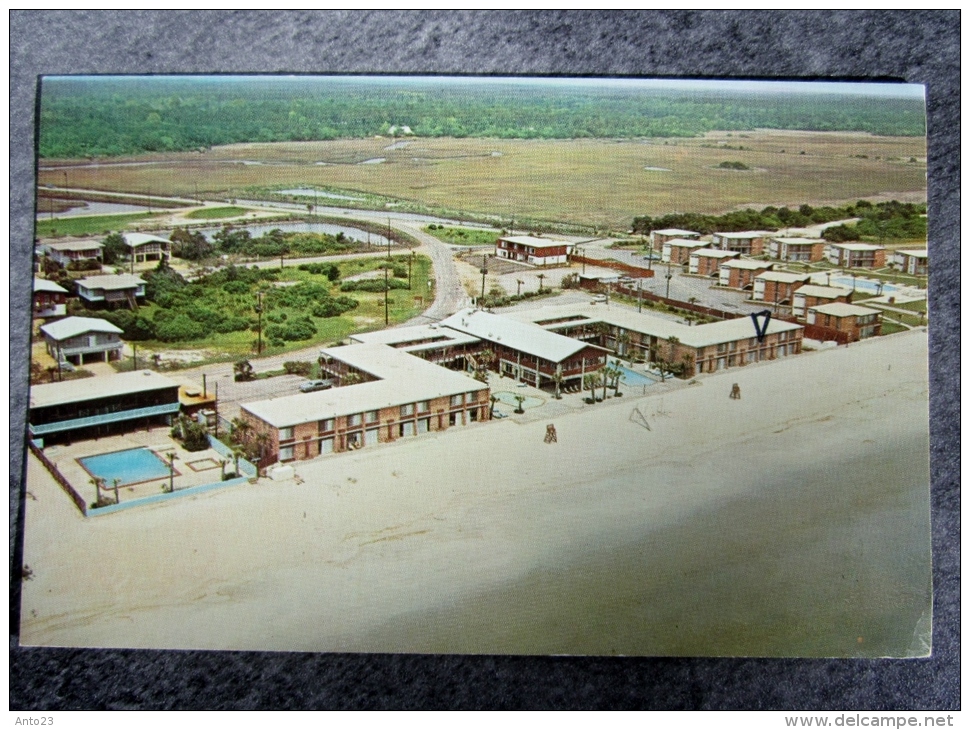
241,430
520,399
540,277
604,378
96,481
557,379
237,452
590,381
115,482
171,470
616,375
492,399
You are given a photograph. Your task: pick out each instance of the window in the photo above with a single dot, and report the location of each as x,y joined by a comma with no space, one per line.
353,420
286,433
286,453
325,425
722,347
424,406
371,416
407,410
457,400
472,397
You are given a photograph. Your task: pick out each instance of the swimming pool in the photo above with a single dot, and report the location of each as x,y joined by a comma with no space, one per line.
531,401
632,377
128,467
867,285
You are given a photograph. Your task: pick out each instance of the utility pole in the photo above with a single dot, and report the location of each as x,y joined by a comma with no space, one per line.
134,357
484,270
259,326
639,295
669,277
387,294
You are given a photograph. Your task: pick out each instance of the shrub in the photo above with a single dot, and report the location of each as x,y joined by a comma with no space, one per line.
297,368
179,328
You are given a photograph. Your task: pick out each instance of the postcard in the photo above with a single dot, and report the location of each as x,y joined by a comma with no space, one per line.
479,365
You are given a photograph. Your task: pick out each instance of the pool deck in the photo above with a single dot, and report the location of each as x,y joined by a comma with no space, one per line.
157,439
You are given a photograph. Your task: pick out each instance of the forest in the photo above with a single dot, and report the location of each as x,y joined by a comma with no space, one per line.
111,116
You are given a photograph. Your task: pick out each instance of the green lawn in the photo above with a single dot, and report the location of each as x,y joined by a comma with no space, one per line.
89,225
463,236
229,211
891,328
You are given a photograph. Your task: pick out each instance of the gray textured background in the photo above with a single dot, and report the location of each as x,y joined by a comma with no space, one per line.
918,47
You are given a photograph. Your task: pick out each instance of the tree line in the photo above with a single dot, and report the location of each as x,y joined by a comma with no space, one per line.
120,116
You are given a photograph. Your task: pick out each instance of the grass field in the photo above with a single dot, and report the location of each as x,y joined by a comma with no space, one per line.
89,225
595,183
229,211
463,236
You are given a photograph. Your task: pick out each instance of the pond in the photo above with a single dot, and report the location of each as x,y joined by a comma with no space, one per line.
311,193
81,207
260,229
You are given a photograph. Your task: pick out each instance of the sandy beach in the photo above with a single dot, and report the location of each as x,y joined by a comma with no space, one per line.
792,522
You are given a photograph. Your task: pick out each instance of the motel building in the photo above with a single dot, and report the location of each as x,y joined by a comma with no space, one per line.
50,299
111,290
527,352
705,348
533,251
808,250
659,238
677,251
858,323
746,243
403,396
143,247
80,340
68,252
912,261
856,255
776,287
90,408
740,273
707,261
812,295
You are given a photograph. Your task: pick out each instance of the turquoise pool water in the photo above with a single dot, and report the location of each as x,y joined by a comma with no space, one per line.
632,377
870,287
128,467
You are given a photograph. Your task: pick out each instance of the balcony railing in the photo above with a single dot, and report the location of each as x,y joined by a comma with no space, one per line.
73,423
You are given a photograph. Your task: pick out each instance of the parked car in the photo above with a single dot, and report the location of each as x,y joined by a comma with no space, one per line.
312,385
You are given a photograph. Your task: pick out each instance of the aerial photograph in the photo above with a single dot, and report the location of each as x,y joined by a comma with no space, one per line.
479,365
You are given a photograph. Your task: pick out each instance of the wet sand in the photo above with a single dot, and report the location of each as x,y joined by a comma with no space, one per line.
794,522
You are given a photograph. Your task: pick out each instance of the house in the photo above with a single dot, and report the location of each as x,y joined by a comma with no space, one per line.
855,322
856,255
403,396
94,407
50,299
776,287
79,340
740,273
533,251
70,252
707,261
111,290
811,295
797,249
746,243
143,247
677,251
528,353
912,261
659,238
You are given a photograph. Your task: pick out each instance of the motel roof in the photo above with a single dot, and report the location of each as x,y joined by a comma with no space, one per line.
111,281
714,253
48,285
416,338
134,240
683,242
74,245
783,277
821,292
85,389
701,335
857,246
535,242
676,232
919,253
517,335
64,329
841,309
403,379
749,264
742,235
799,241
